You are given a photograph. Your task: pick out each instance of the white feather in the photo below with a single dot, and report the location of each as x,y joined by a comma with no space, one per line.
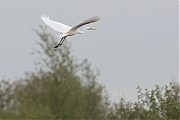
66,30
59,27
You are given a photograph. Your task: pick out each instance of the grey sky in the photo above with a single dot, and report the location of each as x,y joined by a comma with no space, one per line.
136,42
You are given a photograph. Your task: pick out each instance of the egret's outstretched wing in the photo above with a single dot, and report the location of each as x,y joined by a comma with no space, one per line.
90,20
59,27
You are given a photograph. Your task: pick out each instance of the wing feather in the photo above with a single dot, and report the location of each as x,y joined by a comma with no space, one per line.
94,18
59,27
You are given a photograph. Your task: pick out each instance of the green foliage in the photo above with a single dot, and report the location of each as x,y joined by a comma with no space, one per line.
158,104
5,97
60,88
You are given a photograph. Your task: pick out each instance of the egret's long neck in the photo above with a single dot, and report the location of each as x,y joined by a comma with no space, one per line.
83,31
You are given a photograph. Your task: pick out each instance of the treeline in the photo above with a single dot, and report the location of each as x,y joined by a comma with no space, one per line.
62,87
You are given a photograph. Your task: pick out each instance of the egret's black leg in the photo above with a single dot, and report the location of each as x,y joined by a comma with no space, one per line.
60,43
63,40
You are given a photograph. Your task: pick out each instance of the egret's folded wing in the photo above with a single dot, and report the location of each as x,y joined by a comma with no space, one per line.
94,18
59,27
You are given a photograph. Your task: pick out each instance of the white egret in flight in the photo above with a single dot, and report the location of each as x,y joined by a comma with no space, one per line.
67,30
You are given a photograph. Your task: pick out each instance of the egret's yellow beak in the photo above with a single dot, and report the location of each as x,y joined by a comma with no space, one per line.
92,29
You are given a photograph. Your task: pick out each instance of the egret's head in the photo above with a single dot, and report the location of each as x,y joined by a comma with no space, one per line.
90,28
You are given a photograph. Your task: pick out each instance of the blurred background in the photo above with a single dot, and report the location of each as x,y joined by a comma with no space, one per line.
135,44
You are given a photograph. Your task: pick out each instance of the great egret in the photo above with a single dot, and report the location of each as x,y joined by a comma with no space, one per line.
67,30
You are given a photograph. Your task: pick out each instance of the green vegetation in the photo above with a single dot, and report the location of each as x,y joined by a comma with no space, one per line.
161,103
61,87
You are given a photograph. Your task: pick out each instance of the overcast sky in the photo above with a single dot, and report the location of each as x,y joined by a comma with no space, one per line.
136,42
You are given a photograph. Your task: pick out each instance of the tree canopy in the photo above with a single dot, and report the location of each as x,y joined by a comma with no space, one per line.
160,103
61,87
